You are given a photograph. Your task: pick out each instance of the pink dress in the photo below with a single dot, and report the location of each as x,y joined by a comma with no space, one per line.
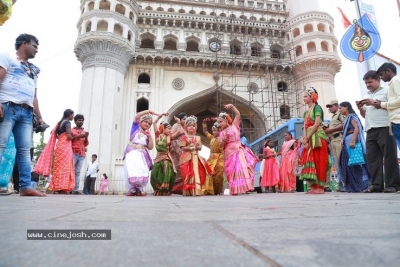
239,161
103,185
270,176
288,168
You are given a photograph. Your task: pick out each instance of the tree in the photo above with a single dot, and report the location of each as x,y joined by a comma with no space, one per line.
39,147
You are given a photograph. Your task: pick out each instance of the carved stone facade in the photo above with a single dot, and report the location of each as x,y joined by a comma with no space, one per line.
155,55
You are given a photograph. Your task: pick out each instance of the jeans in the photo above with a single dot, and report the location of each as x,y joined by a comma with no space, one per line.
19,121
33,184
396,133
78,162
85,189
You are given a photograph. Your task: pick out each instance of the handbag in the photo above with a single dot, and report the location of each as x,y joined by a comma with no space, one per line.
356,156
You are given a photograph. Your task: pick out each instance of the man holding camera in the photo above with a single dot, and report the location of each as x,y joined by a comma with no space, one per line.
18,80
335,134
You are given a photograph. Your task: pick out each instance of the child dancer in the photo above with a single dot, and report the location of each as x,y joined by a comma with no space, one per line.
216,159
270,176
193,167
239,160
163,174
137,161
103,184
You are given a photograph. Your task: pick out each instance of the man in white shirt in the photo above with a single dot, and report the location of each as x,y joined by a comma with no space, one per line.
388,72
91,174
18,103
381,146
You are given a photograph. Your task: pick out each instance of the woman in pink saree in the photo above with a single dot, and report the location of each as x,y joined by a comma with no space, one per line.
239,160
289,163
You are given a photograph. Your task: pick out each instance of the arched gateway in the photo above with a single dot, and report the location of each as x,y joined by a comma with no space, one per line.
209,102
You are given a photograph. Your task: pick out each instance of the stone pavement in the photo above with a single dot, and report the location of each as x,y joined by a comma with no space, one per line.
334,229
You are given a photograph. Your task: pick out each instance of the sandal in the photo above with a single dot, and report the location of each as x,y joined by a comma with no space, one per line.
371,190
4,192
390,190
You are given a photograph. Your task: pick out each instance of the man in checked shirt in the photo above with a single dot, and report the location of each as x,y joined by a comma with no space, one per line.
79,143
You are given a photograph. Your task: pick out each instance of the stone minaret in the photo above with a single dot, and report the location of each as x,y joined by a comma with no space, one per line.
313,48
105,46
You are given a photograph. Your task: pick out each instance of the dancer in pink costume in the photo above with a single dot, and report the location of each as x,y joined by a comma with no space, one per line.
239,160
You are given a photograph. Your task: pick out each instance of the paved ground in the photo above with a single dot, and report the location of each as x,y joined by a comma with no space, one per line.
335,229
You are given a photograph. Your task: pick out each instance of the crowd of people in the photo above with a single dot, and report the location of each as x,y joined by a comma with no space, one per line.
178,167
365,164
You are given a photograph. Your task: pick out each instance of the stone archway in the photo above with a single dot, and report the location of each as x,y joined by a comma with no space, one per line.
207,103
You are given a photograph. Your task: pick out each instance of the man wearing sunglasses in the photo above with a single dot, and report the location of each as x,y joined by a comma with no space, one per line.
18,80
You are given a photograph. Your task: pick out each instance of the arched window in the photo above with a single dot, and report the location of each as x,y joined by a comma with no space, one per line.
118,29
131,16
308,28
299,51
192,46
282,87
275,53
170,45
88,26
311,47
105,5
120,9
192,12
296,32
144,78
147,43
321,27
284,111
235,49
129,36
203,13
181,11
160,9
102,26
141,105
149,8
91,6
324,46
256,50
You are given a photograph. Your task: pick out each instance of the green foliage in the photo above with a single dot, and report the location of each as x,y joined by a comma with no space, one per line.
39,147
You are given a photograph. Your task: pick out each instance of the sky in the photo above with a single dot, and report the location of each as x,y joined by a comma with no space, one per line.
54,23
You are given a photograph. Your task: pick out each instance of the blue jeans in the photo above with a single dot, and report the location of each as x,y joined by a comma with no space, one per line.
78,162
85,189
396,133
19,121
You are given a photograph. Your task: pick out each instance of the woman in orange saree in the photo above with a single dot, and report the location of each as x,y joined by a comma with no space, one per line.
315,155
289,163
63,180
